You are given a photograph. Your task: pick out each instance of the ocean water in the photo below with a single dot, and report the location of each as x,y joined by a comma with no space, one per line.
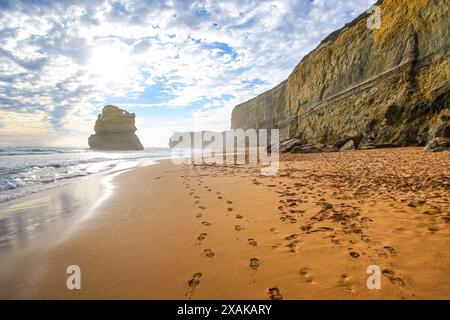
28,170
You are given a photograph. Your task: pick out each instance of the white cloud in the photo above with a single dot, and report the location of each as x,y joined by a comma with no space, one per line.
58,61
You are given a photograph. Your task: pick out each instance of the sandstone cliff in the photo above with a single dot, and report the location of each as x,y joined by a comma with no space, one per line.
115,130
390,85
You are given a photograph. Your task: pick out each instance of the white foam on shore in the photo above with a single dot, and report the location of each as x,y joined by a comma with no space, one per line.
29,170
22,220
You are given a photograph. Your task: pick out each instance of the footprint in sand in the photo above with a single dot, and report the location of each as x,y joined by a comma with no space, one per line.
193,283
199,215
274,294
229,202
393,277
239,216
206,223
229,209
256,182
385,251
391,250
220,197
296,211
305,276
252,242
346,283
202,236
255,263
288,219
237,227
196,197
365,238
433,229
354,254
196,201
292,246
202,207
291,237
209,253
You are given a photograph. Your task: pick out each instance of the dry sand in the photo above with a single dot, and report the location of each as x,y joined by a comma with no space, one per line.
226,232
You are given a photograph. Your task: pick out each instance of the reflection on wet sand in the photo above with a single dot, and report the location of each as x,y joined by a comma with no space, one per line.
36,225
22,220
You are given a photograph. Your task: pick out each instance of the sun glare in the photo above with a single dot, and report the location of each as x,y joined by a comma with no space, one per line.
108,63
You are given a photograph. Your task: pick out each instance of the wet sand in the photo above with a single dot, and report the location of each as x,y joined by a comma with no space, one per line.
226,232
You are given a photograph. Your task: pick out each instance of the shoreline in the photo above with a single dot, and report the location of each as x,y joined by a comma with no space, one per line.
102,188
26,172
225,232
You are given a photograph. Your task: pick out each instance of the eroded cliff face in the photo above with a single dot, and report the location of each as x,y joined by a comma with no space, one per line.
263,112
389,84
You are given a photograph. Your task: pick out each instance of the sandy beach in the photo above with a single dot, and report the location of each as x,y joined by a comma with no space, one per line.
170,231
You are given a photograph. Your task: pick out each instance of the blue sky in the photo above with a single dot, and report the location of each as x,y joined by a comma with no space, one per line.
179,65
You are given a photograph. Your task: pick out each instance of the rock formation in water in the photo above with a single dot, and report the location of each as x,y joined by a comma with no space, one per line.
115,130
387,86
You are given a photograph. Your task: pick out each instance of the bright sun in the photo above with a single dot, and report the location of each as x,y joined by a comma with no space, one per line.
108,63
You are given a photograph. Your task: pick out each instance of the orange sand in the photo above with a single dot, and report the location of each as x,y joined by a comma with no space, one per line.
226,232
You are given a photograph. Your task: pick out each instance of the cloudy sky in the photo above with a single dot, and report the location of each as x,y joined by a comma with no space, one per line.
179,65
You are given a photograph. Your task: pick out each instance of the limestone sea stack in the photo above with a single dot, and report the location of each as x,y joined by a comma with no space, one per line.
115,130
